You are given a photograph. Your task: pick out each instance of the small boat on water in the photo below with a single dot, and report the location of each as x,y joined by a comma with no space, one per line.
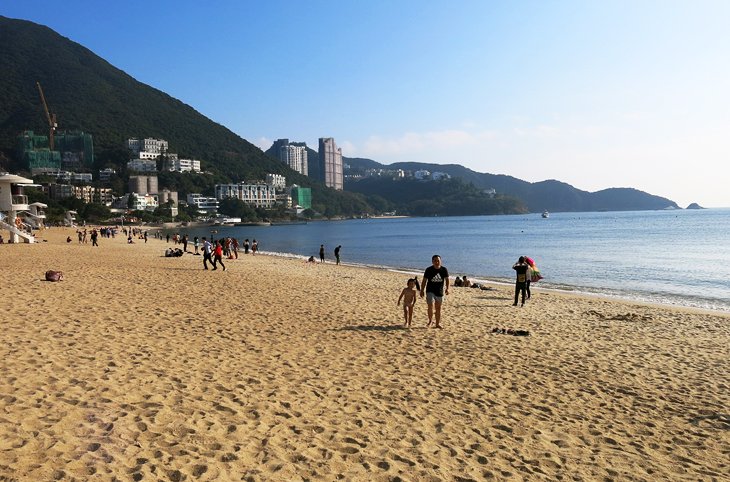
545,214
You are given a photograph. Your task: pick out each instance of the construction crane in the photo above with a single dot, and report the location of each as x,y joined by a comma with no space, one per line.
52,124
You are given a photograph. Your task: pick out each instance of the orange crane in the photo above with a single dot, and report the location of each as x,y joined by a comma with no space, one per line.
52,124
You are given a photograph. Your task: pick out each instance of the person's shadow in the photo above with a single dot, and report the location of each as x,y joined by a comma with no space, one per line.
371,328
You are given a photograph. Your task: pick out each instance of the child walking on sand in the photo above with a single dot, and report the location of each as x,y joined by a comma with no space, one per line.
408,295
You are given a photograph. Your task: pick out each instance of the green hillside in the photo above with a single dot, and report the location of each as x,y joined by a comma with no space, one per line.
548,195
87,93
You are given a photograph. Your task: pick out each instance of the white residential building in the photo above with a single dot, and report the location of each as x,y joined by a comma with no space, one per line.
143,202
183,165
149,145
260,195
148,155
295,157
276,180
203,203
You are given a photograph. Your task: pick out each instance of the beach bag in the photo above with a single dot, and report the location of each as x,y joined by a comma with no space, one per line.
535,276
54,275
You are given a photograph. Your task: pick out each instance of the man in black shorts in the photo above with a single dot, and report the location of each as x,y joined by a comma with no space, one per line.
521,267
436,285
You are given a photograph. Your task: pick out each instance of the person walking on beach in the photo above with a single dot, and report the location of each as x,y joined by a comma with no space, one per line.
436,285
218,256
408,295
254,246
207,249
337,253
196,244
245,246
521,268
321,253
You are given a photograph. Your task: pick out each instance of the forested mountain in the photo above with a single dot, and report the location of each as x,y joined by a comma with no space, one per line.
87,93
548,195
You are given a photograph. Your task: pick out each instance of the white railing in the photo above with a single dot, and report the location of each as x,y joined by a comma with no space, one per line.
28,237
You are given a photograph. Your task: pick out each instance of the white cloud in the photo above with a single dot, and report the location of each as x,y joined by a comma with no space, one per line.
641,151
416,145
262,143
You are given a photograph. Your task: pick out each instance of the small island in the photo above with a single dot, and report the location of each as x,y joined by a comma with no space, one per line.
694,206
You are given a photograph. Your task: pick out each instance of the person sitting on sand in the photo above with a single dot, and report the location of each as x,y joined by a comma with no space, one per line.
311,260
458,282
408,295
465,282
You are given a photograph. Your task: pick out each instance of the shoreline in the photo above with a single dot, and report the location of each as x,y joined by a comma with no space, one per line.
599,293
137,365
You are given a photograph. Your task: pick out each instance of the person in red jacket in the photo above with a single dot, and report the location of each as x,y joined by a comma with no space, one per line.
218,256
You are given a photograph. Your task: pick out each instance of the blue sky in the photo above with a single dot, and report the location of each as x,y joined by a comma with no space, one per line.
595,94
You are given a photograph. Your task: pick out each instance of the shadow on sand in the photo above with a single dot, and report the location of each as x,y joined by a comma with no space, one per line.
371,328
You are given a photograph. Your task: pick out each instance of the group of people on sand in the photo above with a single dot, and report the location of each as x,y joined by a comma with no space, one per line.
321,254
435,286
214,251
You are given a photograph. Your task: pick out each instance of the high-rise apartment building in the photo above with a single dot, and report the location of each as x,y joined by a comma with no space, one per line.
295,157
293,154
330,163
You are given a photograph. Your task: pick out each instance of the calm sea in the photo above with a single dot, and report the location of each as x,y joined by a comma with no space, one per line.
674,257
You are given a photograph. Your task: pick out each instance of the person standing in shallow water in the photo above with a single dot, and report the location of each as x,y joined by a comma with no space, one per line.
321,253
436,285
521,267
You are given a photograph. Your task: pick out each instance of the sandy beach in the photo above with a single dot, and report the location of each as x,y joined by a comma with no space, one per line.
141,367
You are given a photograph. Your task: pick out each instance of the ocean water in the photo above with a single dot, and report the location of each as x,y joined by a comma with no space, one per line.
673,257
